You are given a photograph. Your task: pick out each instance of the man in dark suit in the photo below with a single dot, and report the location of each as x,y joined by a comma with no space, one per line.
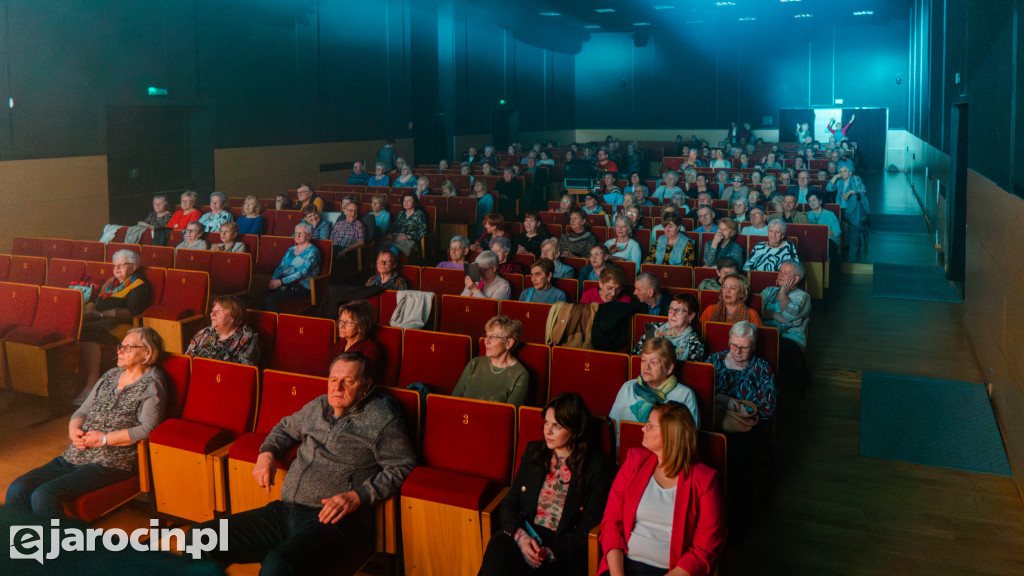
803,187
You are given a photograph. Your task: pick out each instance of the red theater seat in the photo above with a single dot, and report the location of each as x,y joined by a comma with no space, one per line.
390,339
303,345
62,272
160,256
534,317
442,281
42,356
466,315
436,359
5,266
55,248
182,306
198,260
230,273
597,376
28,270
265,324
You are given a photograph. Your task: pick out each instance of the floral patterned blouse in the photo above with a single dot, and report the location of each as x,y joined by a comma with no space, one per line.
552,494
414,226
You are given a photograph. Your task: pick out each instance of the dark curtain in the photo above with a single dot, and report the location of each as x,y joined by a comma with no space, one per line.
869,132
790,117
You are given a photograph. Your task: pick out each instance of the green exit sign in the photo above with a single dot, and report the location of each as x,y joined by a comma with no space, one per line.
154,91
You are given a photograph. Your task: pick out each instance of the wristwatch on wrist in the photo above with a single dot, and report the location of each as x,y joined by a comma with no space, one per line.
104,439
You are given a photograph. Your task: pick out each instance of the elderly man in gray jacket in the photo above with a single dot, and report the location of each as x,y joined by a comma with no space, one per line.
352,452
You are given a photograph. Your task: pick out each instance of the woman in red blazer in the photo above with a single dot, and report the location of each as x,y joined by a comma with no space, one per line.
665,512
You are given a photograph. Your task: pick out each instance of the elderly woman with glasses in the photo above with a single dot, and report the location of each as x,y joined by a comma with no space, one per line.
227,337
291,280
770,254
680,330
188,213
502,248
497,376
193,238
124,406
357,321
458,249
656,384
218,214
732,305
387,276
491,285
622,247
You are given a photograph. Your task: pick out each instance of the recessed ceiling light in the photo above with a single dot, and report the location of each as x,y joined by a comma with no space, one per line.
789,0
747,19
664,7
864,13
803,16
550,14
641,23
694,22
604,10
725,3
591,26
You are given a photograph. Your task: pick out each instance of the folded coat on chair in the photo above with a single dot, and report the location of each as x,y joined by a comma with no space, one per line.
412,309
570,325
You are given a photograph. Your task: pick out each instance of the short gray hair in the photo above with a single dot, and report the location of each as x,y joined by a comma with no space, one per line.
551,240
744,329
649,279
221,195
128,256
503,243
487,259
460,240
627,222
306,225
150,341
798,268
778,222
670,172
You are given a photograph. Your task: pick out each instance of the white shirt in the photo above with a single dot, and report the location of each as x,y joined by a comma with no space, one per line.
652,534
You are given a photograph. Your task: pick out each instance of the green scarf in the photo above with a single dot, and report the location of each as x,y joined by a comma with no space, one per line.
650,396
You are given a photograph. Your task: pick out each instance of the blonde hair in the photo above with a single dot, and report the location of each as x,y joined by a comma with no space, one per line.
253,201
678,439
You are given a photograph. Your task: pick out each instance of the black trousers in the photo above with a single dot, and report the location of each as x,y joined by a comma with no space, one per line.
504,558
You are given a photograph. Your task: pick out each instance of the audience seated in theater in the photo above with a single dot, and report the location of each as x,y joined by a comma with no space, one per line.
559,490
665,211
732,305
692,161
577,239
663,484
121,409
188,213
542,291
161,214
853,200
472,155
422,186
493,227
227,338
680,330
720,160
533,234
105,321
768,255
705,219
549,249
380,177
490,285
741,376
768,187
458,249
622,247
689,182
740,206
596,262
609,288
250,222
218,213
592,204
465,170
647,291
725,266
448,189
408,228
565,206
357,322
722,186
758,222
229,239
484,207
488,169
399,163
633,213
193,238
497,376
816,214
656,385
502,248
737,189
605,163
788,308
770,162
406,179
321,227
352,453
358,177
802,187
381,216
789,215
387,276
609,192
349,233
291,279
672,247
442,165
669,189
282,202
722,245
306,196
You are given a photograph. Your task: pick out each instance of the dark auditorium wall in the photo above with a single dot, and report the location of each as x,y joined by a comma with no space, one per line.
696,76
977,41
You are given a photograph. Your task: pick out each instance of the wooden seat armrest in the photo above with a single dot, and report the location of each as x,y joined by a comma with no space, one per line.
488,516
593,549
219,460
145,474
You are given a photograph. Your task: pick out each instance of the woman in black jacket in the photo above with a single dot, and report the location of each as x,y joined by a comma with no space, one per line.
558,495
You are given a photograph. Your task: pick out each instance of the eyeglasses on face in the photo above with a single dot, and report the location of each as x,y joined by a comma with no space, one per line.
491,338
128,347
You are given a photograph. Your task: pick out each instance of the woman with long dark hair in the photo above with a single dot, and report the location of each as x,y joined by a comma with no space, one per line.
557,496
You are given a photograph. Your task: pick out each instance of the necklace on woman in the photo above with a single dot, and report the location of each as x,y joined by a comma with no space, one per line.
491,364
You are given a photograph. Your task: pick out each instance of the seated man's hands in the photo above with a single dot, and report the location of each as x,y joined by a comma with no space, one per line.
264,470
337,506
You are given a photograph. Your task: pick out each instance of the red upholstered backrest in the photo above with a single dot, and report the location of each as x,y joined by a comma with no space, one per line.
272,251
537,360
442,281
5,266
716,336
412,276
326,255
708,298
702,273
59,312
570,286
700,377
470,436
597,376
388,303
178,369
251,241
265,323
631,435
88,250
192,259
157,280
230,273
285,221
17,304
27,270
222,395
98,272
760,279
159,256
409,402
390,339
186,290
712,449
812,241
62,272
640,322
303,345
466,315
114,247
516,282
55,248
434,358
532,316
283,394
25,246
530,428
